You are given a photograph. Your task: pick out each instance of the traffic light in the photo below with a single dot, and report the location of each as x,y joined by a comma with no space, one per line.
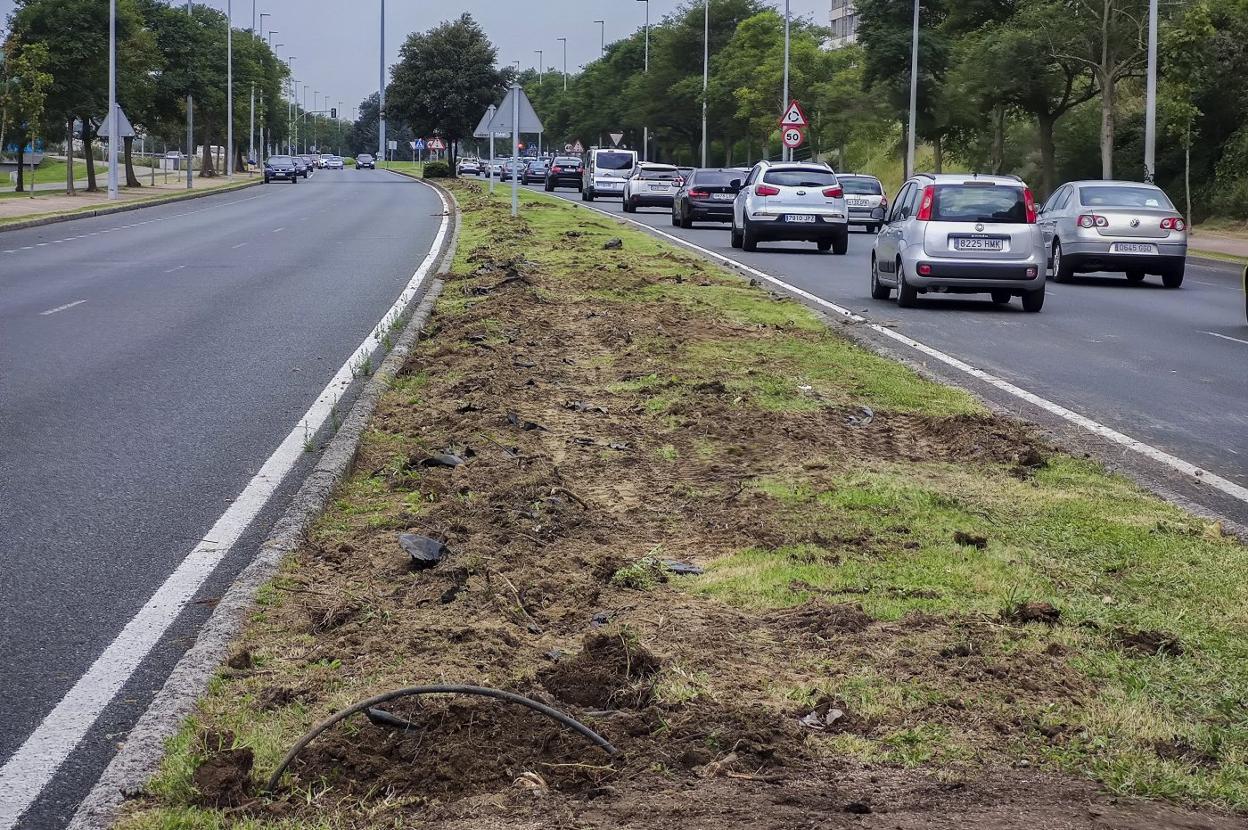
333,112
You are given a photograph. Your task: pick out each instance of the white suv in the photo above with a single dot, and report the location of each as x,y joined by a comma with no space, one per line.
790,200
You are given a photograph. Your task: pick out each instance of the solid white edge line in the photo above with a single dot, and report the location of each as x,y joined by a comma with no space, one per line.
1199,474
30,769
1225,337
51,311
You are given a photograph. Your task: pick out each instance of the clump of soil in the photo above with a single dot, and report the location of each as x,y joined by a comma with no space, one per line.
223,778
1032,612
609,672
823,619
1148,642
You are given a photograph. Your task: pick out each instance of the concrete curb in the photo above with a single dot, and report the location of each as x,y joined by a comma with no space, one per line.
139,758
126,208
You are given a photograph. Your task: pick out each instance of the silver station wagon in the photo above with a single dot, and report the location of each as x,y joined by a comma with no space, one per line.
1129,228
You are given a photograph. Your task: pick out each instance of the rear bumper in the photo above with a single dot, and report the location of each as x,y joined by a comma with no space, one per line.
973,275
719,211
1086,257
773,226
651,199
865,216
563,181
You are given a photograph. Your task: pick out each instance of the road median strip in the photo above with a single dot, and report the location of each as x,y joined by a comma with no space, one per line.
783,575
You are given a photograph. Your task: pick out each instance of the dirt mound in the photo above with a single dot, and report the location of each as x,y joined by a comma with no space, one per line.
823,619
609,672
223,778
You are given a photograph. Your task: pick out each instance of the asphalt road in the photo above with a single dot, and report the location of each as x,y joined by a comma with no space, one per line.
149,363
1166,367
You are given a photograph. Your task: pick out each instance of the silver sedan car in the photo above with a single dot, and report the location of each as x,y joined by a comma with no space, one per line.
1126,227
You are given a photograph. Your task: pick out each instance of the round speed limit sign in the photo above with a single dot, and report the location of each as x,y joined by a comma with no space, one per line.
792,137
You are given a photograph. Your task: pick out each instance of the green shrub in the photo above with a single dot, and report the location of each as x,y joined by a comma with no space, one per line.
437,170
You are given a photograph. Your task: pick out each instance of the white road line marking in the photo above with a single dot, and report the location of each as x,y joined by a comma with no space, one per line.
239,245
1215,481
278,230
25,775
61,308
178,268
41,245
1225,337
11,251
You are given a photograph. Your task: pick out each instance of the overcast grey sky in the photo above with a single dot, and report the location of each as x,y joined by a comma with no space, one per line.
335,43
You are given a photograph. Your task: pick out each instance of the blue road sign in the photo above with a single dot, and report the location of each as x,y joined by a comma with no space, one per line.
419,145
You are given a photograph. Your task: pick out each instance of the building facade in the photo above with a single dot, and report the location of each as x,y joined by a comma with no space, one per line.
844,20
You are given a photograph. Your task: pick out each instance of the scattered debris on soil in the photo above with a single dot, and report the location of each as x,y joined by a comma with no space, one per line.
1032,612
424,551
223,778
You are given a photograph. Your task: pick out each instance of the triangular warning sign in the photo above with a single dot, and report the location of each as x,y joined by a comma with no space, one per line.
529,122
616,138
123,125
483,126
794,117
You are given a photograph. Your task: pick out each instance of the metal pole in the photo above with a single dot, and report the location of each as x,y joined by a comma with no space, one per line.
490,122
645,130
381,104
112,104
190,125
1150,105
565,62
251,130
540,66
515,147
914,92
602,38
229,88
706,68
786,153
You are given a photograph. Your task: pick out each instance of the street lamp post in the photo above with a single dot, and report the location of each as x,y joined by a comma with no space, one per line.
381,101
539,66
112,103
914,92
229,89
602,37
1150,105
190,125
564,41
786,153
645,130
706,68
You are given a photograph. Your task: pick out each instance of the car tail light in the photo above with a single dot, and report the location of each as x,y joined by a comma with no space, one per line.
766,190
556,169
884,203
1030,202
1173,223
1091,220
925,207
1032,271
925,270
695,193
833,192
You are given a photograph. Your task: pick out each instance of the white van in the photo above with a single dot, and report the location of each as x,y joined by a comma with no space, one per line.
606,173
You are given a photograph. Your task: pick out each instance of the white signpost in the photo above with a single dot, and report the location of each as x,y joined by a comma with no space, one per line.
516,115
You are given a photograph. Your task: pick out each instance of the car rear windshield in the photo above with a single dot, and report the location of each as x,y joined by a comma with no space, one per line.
979,203
614,161
1110,196
659,175
538,163
800,178
568,162
714,178
861,187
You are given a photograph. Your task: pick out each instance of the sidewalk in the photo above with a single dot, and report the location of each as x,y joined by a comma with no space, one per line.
1215,242
20,208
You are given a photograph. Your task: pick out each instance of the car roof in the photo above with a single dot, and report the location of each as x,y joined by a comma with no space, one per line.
960,178
652,165
795,165
858,176
1110,183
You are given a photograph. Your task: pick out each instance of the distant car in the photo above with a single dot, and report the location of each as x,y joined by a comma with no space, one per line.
468,165
685,173
301,166
1128,227
606,172
535,171
518,166
334,163
865,199
365,160
280,167
564,171
707,196
796,201
321,160
309,164
960,234
651,185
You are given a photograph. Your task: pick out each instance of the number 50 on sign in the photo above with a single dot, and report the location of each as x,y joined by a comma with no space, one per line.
792,137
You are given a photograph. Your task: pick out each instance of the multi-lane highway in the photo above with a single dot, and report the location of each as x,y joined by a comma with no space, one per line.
150,363
1168,368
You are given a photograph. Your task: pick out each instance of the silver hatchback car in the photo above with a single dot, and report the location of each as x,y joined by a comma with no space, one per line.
864,196
1127,227
960,234
790,200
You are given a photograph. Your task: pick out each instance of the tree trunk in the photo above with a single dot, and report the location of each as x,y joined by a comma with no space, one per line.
1048,154
88,152
1187,175
938,156
1108,96
207,169
21,171
69,156
240,161
127,145
998,139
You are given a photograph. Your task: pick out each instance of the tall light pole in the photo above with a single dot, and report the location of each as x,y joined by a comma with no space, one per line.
381,101
112,102
564,41
914,91
539,66
290,105
645,130
786,153
1150,104
229,89
706,67
190,124
602,37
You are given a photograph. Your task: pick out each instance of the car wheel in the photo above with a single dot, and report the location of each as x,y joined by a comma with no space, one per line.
1062,271
550,188
266,179
735,235
587,195
686,221
1000,297
628,206
1173,276
1033,301
749,237
675,219
879,291
840,242
824,244
907,295
294,180
1135,276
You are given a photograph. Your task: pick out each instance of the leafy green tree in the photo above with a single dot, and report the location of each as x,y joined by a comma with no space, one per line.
23,95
